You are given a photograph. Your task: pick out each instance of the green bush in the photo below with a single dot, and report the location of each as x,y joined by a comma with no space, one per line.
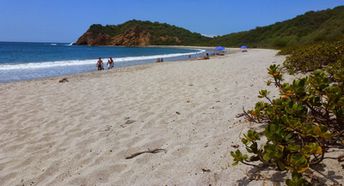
312,57
299,125
288,50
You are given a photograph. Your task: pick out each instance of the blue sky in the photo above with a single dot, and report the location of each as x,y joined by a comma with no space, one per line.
66,20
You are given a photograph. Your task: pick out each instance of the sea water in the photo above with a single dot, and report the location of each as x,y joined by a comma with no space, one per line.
25,61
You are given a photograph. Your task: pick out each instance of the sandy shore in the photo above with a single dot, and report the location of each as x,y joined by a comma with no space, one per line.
80,132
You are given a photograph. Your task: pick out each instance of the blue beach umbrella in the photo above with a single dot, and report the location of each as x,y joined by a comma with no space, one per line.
243,47
220,48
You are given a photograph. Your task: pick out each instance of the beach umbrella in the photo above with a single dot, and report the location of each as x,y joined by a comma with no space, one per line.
220,48
243,47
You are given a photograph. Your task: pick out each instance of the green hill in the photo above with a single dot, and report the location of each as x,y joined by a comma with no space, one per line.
140,33
312,27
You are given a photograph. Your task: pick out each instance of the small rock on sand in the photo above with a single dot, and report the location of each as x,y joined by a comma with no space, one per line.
129,122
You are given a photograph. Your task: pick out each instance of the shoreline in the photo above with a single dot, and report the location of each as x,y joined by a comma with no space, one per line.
45,69
95,71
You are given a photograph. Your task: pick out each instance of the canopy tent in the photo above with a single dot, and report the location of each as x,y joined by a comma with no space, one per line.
220,48
243,48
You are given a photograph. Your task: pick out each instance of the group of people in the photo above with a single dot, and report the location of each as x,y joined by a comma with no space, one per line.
160,60
100,64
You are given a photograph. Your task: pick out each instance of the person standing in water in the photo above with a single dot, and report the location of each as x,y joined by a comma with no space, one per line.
110,63
100,64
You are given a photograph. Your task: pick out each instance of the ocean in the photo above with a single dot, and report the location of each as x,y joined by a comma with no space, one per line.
26,61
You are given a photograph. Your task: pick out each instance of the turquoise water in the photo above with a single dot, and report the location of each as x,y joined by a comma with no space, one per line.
25,61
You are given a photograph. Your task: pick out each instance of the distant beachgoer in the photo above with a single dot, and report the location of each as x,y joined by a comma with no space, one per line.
206,56
110,63
160,60
100,64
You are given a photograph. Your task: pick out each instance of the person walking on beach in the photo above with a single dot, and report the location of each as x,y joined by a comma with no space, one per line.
100,64
206,56
110,63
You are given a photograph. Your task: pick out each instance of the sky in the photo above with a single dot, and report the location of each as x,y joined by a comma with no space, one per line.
66,20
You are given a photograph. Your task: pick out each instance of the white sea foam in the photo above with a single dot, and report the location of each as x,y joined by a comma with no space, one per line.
52,64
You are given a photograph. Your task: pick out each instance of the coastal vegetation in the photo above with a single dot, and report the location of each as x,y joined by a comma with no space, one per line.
309,28
305,120
309,58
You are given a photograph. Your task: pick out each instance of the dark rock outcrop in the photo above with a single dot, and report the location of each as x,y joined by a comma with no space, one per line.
90,38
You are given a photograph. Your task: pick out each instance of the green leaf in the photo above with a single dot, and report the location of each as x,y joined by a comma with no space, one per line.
238,157
297,180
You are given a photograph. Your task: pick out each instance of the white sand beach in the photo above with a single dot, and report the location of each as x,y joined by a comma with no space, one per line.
81,131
